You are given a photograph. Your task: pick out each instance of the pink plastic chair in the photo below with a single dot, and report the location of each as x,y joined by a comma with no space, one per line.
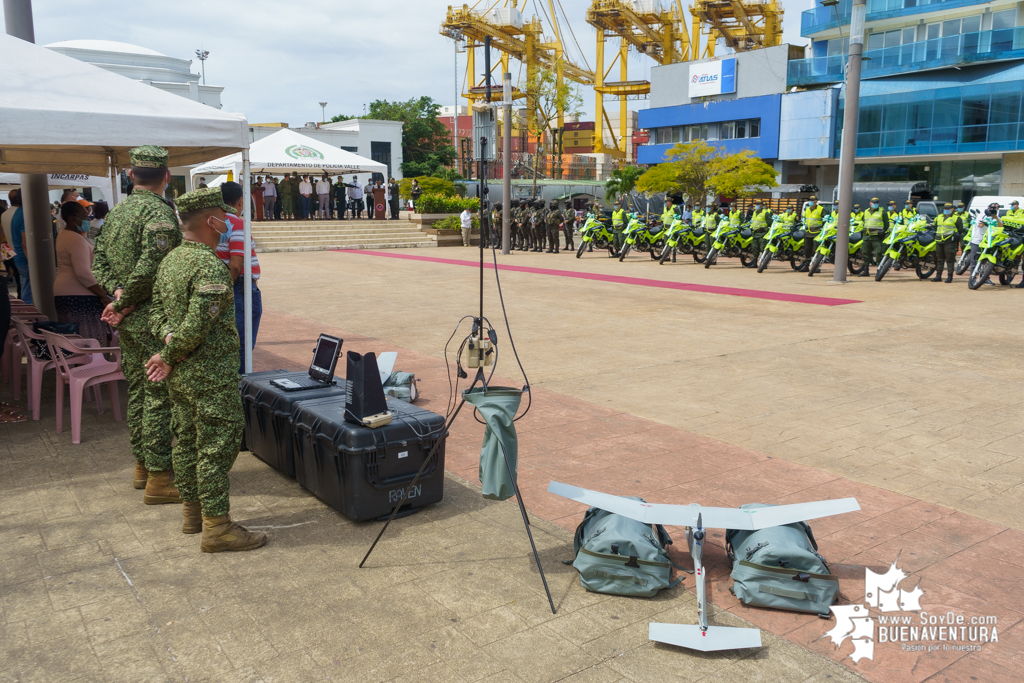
10,364
36,365
94,371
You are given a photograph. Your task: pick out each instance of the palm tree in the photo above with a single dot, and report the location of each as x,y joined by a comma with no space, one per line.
622,182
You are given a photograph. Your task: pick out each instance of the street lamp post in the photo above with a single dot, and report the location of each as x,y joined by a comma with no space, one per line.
848,152
323,115
202,55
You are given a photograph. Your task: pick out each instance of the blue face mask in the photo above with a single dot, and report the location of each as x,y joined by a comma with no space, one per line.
947,211
874,206
224,238
85,226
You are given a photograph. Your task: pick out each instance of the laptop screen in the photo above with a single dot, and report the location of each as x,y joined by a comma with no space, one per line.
325,358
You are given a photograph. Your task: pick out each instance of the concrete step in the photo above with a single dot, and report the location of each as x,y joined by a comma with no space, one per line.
313,233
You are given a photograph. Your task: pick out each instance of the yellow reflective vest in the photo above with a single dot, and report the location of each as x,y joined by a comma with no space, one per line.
735,218
874,221
945,226
618,216
812,218
759,219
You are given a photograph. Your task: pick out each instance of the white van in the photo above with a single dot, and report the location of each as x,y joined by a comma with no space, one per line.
979,204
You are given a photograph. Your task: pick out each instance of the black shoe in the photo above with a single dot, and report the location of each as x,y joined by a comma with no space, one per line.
804,268
548,251
938,277
1019,285
949,278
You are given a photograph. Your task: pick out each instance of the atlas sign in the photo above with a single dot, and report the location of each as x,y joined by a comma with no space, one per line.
713,78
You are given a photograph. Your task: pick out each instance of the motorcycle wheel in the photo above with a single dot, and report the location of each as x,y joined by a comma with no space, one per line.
883,267
747,260
764,260
656,249
625,250
815,264
796,262
1006,277
709,260
981,271
857,264
582,247
699,255
665,253
926,266
964,262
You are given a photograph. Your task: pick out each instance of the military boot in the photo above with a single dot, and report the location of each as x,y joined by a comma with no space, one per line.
949,276
141,476
938,275
192,511
160,489
220,534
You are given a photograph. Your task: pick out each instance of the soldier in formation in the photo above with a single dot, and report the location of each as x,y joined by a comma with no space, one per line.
138,234
569,226
193,316
554,223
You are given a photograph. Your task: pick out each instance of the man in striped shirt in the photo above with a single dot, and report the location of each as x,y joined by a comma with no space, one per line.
231,251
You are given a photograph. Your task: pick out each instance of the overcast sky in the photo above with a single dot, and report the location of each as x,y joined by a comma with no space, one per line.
276,60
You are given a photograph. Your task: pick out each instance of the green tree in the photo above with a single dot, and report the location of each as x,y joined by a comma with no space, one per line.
623,181
426,143
697,169
545,98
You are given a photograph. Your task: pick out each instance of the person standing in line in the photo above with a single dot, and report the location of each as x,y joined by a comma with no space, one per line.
568,226
269,197
356,197
947,227
466,220
415,191
876,227
6,214
198,363
287,196
231,250
990,218
257,199
277,202
305,192
554,222
139,232
813,222
687,214
368,197
393,192
341,198
759,218
619,224
17,237
323,194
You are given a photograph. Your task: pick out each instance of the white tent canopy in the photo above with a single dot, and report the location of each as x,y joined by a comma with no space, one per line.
286,151
58,114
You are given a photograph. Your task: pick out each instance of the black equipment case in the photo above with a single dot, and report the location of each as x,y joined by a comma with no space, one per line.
364,473
269,433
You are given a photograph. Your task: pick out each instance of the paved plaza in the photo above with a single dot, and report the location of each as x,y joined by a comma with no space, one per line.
676,383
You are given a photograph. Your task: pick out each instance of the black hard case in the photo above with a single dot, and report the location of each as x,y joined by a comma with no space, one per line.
364,473
269,433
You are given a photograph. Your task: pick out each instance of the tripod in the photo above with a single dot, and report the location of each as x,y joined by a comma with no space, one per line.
480,377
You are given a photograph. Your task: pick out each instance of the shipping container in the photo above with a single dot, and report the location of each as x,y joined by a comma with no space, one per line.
582,125
578,150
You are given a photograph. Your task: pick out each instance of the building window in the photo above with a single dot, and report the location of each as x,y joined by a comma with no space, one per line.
381,152
354,150
726,130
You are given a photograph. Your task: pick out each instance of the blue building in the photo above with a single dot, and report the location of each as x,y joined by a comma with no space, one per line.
941,95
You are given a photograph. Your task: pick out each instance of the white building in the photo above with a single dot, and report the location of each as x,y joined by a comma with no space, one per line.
142,64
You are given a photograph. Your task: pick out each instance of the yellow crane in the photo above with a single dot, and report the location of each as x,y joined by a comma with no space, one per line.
660,32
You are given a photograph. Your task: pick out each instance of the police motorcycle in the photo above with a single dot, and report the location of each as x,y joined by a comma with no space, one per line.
683,238
649,238
784,242
595,233
825,252
1000,253
731,241
911,245
963,261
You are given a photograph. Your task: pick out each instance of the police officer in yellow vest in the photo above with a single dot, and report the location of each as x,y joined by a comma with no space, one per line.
908,213
857,215
947,229
813,221
697,217
876,227
1015,214
735,217
789,217
619,223
894,212
759,219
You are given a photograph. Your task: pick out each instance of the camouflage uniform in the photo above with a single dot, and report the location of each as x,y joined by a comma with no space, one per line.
287,192
554,222
539,228
568,225
193,300
137,234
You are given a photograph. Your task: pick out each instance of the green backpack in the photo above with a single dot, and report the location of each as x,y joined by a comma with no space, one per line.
780,567
618,555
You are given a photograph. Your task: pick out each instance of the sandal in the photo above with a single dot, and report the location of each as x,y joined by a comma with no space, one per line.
7,418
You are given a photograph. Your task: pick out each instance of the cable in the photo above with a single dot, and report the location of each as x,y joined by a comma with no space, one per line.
573,34
508,328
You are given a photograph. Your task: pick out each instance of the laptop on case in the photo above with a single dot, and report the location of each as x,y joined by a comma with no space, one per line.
321,370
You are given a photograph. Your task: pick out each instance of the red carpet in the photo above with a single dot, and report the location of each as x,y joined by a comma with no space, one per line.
640,281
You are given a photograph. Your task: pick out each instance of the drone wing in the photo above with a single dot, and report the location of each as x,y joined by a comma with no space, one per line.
386,364
712,517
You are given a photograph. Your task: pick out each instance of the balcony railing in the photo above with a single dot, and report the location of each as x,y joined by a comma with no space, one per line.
823,18
924,54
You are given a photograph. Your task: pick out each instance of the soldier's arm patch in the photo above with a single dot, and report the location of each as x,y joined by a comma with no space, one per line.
213,289
161,226
214,309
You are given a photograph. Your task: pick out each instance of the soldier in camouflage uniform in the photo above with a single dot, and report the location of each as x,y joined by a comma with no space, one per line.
194,315
539,227
138,233
554,222
568,226
523,226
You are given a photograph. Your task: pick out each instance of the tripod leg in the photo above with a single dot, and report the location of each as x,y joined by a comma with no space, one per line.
414,480
526,523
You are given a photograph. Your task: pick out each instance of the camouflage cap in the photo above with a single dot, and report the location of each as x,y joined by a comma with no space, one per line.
203,198
148,156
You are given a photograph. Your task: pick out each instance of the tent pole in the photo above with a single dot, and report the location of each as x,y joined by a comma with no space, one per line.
247,259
